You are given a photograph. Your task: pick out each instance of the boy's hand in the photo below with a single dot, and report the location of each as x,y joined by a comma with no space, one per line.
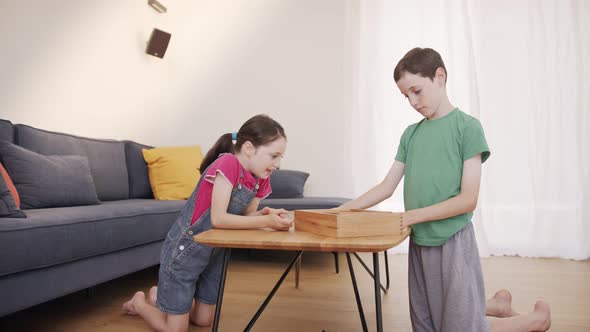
408,219
280,222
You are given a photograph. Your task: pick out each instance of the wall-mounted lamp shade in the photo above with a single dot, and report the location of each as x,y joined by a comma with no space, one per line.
158,43
157,6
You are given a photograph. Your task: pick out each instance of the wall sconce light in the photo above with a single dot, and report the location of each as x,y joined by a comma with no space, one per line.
157,6
158,43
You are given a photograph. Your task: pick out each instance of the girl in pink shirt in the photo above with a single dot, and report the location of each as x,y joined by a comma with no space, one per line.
235,177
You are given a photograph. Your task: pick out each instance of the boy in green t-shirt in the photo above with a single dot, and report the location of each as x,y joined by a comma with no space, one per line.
440,158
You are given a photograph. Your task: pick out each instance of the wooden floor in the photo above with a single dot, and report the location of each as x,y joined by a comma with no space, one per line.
324,301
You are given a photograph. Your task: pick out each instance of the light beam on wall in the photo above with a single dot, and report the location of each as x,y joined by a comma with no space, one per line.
157,6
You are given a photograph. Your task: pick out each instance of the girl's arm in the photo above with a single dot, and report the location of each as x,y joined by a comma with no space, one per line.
465,202
380,192
220,218
252,209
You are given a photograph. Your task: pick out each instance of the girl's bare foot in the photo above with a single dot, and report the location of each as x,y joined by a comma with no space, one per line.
153,295
543,316
500,305
129,306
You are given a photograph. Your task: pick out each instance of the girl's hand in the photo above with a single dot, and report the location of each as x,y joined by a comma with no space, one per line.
268,210
279,222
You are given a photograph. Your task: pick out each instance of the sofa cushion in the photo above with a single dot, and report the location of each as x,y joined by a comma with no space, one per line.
173,171
105,157
304,203
6,131
287,183
139,181
58,235
8,206
48,181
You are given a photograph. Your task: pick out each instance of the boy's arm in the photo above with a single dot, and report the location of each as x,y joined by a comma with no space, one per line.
220,218
380,192
465,202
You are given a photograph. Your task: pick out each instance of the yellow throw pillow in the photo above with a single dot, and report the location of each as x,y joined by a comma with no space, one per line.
173,171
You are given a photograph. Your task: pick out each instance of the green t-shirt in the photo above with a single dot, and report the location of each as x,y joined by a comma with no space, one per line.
433,152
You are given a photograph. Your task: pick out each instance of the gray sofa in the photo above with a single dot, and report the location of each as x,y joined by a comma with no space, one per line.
60,250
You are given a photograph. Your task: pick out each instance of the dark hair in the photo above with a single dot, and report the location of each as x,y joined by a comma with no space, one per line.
421,61
260,130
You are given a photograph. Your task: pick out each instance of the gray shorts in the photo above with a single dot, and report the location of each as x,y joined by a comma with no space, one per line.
446,286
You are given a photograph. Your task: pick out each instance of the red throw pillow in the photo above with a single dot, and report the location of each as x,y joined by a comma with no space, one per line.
10,185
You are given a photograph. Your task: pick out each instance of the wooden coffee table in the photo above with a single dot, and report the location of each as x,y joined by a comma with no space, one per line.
299,242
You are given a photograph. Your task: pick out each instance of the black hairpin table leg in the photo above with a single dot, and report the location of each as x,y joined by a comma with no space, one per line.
356,293
379,315
274,290
226,254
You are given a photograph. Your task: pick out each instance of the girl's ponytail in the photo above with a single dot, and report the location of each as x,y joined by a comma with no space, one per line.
258,130
224,144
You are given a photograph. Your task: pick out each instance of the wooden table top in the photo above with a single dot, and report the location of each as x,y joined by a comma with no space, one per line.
297,240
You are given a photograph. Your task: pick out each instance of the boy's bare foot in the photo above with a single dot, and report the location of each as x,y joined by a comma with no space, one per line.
129,306
543,316
153,295
500,305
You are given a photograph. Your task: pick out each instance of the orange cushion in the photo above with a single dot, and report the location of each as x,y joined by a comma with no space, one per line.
10,185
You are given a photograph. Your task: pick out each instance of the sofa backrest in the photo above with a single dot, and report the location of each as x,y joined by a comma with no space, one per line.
6,131
106,157
139,182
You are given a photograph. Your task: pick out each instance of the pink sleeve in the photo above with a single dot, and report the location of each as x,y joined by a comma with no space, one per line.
228,166
264,190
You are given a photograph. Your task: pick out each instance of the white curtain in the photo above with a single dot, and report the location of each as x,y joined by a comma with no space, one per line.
522,68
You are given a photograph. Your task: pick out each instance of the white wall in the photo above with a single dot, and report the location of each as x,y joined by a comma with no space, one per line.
80,67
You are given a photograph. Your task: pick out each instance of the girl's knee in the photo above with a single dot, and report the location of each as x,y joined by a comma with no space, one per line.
174,323
202,321
174,329
202,314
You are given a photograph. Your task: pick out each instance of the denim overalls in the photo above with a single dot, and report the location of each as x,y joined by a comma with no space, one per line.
190,270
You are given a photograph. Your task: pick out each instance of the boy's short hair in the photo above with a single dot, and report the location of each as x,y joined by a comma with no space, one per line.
419,61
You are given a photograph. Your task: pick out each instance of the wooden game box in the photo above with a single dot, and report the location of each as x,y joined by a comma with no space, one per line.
351,223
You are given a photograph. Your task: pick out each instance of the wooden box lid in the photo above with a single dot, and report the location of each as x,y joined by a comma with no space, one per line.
352,223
